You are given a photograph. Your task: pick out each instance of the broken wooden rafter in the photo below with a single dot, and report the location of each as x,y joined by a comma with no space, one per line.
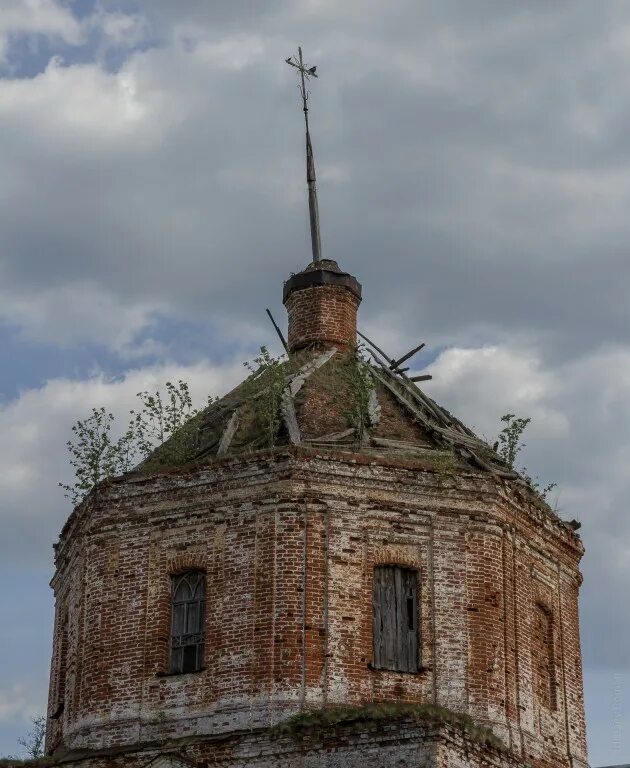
290,417
445,428
450,436
373,408
423,377
228,434
386,364
295,384
278,331
442,423
497,471
441,415
403,446
297,380
454,436
416,412
412,390
394,365
334,437
350,445
402,359
390,360
417,394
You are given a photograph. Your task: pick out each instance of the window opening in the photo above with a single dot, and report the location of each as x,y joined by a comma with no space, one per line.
188,613
395,619
543,656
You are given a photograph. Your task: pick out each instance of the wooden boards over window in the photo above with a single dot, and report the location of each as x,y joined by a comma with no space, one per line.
395,606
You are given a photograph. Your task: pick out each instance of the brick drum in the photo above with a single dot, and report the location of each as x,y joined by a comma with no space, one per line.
321,312
289,539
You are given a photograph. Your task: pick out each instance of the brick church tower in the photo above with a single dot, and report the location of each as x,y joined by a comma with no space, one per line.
337,573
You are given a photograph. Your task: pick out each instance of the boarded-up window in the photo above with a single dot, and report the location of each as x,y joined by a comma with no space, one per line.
395,608
543,656
187,622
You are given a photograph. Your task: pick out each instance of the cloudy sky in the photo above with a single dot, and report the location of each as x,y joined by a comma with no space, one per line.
474,173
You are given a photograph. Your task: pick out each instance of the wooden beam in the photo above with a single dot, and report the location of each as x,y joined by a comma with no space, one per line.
297,380
290,417
390,360
413,391
228,434
333,437
448,428
278,331
373,407
430,451
414,410
403,445
407,356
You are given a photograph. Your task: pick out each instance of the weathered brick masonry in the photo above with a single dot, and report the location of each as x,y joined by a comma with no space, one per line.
289,540
322,303
399,743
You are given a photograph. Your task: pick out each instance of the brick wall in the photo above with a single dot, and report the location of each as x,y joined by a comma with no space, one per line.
368,745
289,541
322,314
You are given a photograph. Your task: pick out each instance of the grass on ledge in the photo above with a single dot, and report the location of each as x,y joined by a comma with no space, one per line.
314,720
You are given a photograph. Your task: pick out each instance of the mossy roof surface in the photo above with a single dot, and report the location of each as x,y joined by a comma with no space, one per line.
328,398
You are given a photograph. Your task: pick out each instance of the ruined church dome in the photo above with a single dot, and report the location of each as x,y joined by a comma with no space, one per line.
323,567
331,392
325,535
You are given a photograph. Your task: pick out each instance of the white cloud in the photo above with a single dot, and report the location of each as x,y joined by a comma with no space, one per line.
231,53
21,701
580,430
119,29
487,382
76,102
69,314
37,17
54,20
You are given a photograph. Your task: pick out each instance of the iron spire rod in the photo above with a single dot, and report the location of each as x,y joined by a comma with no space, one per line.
313,206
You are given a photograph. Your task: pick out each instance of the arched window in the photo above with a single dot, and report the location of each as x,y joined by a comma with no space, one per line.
543,656
188,613
395,616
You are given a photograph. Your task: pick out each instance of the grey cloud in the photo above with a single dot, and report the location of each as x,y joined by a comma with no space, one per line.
473,167
468,168
472,174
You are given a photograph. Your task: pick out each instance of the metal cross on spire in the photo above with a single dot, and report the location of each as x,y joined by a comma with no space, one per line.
306,73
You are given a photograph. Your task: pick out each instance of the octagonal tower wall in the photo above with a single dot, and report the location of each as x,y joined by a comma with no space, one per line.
289,541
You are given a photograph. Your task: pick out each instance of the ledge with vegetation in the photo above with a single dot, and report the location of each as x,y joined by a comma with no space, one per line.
314,721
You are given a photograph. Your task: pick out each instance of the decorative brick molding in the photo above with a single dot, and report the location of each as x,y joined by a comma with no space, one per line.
187,561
